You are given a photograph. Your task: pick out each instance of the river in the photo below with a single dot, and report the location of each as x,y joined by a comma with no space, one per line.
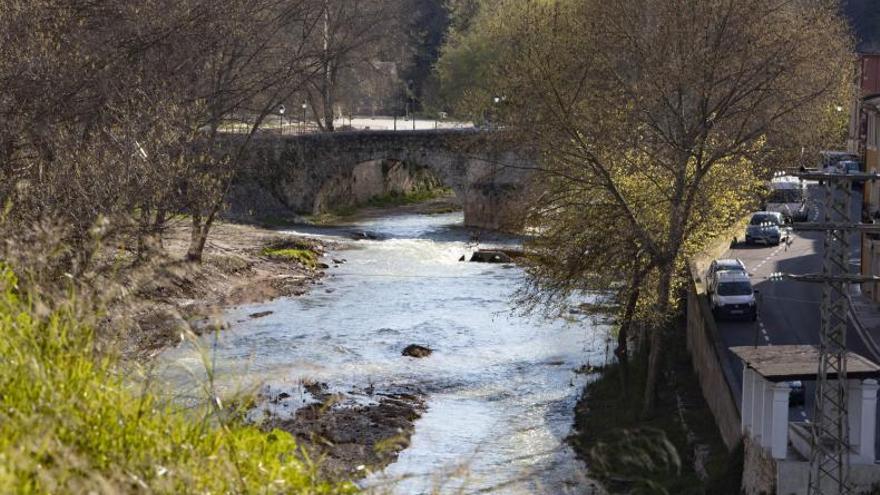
500,386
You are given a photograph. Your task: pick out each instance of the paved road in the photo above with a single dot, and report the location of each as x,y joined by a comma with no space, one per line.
788,310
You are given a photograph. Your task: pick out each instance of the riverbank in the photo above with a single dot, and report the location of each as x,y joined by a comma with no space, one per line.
239,267
677,450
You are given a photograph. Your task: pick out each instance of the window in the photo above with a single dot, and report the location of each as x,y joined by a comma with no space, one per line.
786,196
734,289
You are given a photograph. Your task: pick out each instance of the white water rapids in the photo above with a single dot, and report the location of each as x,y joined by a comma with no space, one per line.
500,387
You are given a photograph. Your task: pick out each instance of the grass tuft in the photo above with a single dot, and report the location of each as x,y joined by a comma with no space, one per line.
304,257
70,423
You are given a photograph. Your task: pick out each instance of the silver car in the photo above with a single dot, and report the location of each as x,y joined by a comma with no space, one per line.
767,227
719,265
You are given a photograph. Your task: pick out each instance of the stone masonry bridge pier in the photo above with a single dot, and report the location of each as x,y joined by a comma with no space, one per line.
313,173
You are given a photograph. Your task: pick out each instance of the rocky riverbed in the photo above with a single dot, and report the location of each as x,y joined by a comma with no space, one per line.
350,433
486,410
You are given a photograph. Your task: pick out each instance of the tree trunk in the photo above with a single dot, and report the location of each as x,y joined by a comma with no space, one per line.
196,240
657,338
159,224
327,75
199,236
622,350
328,109
143,233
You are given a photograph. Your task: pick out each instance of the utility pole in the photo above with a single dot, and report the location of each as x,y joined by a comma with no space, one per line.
830,448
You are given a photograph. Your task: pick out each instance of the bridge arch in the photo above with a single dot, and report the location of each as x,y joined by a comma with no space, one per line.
301,173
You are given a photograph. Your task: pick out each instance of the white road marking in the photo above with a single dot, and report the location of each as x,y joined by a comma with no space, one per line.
764,331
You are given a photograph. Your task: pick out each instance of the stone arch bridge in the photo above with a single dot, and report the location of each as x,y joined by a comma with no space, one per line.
313,173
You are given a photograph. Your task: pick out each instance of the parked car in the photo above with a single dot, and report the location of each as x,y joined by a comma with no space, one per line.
830,160
731,295
729,265
797,396
767,227
841,162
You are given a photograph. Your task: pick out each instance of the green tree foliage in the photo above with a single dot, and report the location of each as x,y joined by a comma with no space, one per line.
467,71
656,121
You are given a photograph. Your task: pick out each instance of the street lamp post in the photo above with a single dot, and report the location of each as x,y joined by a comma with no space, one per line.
281,117
304,107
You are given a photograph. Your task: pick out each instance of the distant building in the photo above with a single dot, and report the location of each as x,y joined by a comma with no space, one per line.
864,133
864,18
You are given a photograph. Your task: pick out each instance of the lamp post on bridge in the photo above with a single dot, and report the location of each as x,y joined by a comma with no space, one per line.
303,126
281,118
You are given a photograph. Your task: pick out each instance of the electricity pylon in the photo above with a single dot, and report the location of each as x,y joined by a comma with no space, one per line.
830,449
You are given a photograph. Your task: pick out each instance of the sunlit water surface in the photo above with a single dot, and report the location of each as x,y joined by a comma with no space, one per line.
500,386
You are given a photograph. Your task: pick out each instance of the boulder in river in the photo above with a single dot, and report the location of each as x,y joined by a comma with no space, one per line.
416,351
260,314
366,235
490,256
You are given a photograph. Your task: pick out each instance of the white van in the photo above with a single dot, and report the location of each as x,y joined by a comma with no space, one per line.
731,295
788,195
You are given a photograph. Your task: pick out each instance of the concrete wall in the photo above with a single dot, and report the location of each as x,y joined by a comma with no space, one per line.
759,470
707,353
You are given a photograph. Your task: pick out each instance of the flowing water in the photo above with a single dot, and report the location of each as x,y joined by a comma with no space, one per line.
500,387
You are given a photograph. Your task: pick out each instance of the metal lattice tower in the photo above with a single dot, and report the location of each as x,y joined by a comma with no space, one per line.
830,452
829,462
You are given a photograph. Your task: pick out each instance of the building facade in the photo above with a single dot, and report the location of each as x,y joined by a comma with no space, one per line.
864,133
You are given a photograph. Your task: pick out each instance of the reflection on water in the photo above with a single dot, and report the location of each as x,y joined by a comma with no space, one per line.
501,386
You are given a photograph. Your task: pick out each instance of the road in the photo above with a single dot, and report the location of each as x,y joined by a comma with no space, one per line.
788,310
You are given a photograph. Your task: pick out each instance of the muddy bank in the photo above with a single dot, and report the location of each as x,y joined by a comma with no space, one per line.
349,434
238,268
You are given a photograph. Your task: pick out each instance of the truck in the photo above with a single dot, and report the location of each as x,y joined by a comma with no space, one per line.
788,195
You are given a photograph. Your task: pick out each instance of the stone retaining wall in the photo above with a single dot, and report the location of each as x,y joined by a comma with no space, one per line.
708,356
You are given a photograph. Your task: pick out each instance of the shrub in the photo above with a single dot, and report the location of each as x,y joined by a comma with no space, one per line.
305,257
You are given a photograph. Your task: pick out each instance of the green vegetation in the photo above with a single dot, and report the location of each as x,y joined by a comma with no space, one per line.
385,201
69,423
303,256
395,198
656,455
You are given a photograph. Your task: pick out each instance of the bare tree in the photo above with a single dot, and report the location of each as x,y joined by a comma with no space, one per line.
349,37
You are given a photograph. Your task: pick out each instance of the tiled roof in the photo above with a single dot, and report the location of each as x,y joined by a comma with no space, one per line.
864,17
